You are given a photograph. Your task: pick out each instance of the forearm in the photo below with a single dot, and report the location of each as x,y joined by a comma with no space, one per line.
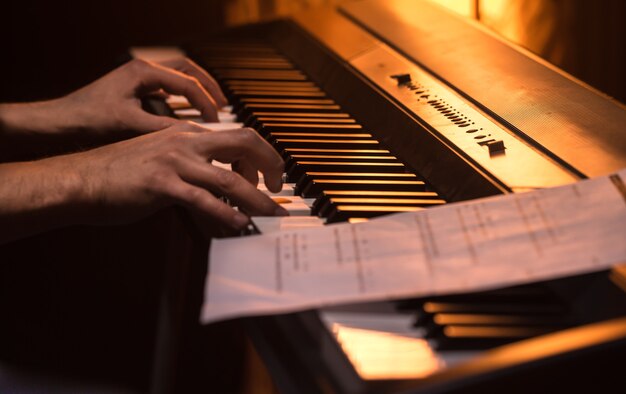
38,196
50,117
39,129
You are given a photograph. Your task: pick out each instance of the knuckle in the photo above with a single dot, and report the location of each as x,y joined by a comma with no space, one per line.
173,156
194,196
248,136
226,180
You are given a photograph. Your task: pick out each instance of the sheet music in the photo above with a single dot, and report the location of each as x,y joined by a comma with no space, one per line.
470,246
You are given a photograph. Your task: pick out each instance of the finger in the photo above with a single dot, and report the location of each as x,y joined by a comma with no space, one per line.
243,144
203,202
247,171
189,67
153,77
229,184
159,94
145,122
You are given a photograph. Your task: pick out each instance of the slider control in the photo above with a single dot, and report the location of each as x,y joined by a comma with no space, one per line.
402,78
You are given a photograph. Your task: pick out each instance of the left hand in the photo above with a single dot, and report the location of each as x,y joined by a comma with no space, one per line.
113,103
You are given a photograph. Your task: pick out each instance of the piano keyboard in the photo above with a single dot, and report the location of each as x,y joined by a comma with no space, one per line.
336,171
335,168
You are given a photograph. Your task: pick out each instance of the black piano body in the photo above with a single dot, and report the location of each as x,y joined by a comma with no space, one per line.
512,123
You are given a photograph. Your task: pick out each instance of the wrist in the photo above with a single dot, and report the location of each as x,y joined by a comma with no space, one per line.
39,196
38,118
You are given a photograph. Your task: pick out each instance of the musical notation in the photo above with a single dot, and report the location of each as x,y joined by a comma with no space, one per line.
486,243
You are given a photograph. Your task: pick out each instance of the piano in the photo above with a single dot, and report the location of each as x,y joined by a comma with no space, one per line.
391,106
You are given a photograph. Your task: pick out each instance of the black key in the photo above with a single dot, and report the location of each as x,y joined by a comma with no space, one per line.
297,143
250,118
327,209
246,114
341,152
258,75
479,337
294,174
249,93
326,195
493,308
460,319
316,188
266,128
311,176
309,134
234,83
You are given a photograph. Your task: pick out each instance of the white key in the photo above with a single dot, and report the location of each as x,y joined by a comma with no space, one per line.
187,112
226,117
268,224
194,115
220,126
176,99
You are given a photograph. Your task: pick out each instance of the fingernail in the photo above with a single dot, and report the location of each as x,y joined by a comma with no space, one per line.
240,220
280,211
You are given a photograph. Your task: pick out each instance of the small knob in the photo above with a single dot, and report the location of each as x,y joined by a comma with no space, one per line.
402,78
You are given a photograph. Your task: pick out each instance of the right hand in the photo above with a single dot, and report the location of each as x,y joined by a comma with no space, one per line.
131,179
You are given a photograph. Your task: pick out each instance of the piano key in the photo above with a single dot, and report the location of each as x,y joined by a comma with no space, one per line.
475,338
328,209
177,102
356,133
276,93
268,224
310,144
294,205
324,199
288,152
234,83
323,130
444,319
285,100
296,172
251,108
217,126
316,188
293,159
254,118
259,75
341,213
274,119
310,176
493,308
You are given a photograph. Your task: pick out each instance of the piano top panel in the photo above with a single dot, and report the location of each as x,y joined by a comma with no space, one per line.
558,114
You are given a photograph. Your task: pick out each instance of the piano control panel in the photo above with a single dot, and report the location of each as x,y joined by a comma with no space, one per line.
461,124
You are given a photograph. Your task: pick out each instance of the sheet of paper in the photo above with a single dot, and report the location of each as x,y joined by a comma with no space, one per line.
481,244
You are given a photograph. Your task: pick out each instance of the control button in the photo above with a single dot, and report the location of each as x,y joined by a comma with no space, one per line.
496,147
402,78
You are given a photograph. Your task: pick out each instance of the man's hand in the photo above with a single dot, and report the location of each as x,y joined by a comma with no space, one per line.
128,180
112,104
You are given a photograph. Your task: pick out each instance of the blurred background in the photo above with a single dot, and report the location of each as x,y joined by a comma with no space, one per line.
54,47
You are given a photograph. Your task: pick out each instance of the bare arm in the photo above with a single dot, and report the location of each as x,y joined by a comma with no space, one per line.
129,180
